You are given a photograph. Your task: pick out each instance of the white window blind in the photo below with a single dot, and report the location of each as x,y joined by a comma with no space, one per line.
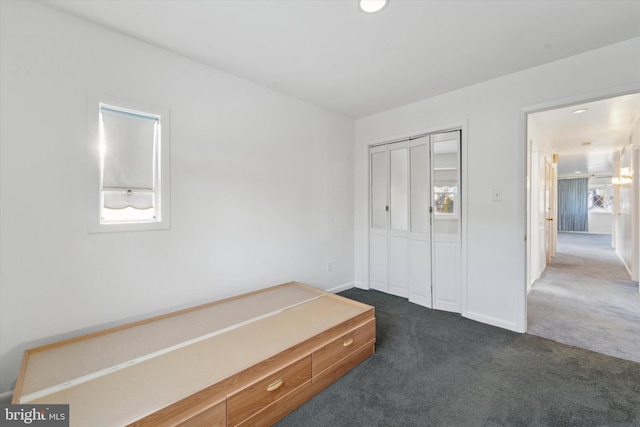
129,153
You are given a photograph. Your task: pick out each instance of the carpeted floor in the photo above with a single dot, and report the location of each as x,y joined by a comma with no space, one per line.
585,298
433,368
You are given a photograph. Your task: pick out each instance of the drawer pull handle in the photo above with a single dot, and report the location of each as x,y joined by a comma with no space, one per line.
348,342
275,385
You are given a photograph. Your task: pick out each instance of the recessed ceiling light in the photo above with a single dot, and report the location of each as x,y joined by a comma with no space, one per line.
578,172
580,111
372,6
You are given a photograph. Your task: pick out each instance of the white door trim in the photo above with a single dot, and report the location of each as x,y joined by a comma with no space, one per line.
521,324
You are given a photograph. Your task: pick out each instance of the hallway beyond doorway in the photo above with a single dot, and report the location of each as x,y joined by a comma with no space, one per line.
586,299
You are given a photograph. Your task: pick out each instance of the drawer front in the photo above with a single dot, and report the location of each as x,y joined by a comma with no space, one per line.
254,398
194,411
281,407
343,346
212,417
343,366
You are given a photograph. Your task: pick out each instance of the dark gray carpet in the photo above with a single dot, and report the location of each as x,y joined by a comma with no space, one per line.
433,368
585,298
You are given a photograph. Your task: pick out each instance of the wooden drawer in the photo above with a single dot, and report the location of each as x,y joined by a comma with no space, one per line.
328,376
215,416
194,411
256,397
343,346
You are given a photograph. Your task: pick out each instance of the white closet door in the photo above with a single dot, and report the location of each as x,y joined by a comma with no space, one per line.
420,222
415,231
445,179
378,254
399,219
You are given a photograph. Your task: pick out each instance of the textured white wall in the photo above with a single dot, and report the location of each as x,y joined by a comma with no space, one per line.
262,185
494,112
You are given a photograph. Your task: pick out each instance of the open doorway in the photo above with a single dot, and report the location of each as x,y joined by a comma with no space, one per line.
582,263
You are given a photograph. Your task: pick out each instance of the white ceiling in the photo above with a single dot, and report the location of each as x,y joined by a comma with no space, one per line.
585,142
330,54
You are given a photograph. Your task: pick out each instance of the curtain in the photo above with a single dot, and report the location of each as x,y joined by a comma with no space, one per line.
572,204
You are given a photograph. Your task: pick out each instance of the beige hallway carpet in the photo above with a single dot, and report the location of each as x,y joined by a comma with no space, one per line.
585,298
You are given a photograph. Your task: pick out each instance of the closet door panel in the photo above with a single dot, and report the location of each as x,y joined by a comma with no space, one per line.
420,188
399,188
379,190
445,154
420,222
420,272
445,278
399,266
378,220
378,263
398,219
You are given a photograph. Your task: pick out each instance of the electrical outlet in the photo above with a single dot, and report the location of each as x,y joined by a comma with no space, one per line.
329,266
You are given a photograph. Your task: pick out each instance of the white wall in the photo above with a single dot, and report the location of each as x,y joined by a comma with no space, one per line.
262,185
635,216
627,225
494,111
600,223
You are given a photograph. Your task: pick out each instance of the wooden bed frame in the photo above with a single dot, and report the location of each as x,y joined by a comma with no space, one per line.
246,360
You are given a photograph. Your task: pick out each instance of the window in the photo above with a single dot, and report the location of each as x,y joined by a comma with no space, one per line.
130,174
600,199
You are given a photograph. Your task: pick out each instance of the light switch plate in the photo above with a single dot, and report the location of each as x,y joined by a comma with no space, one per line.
496,195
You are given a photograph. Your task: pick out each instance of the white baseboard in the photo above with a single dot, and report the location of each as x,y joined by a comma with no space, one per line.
341,288
493,321
625,264
360,285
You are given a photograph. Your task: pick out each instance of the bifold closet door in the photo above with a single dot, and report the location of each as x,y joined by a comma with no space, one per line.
420,222
445,153
389,229
415,227
400,255
378,220
398,245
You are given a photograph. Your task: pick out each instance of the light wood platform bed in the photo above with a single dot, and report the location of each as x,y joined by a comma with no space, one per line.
247,360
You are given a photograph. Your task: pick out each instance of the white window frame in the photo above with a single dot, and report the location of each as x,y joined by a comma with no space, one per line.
162,219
